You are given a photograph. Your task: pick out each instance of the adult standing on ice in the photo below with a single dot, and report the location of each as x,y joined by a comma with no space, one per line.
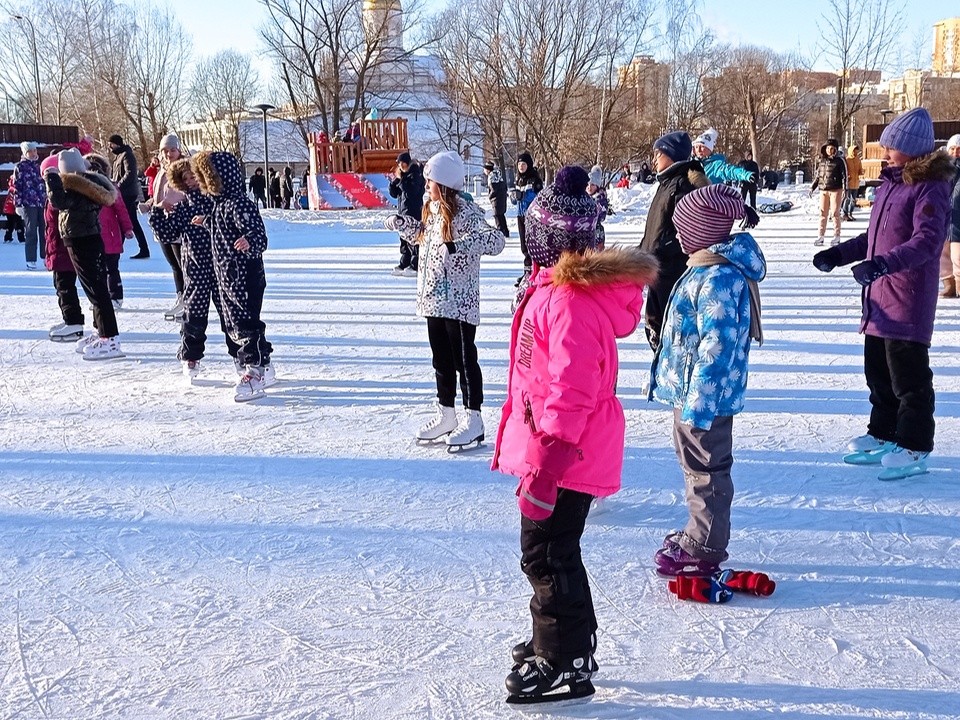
125,176
562,427
497,194
831,178
408,186
950,259
30,198
452,237
899,258
165,196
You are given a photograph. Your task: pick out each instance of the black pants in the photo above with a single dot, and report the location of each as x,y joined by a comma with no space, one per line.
275,201
14,223
114,281
455,351
901,392
658,295
241,295
522,230
65,283
172,252
501,220
561,606
751,190
260,198
130,203
87,255
409,255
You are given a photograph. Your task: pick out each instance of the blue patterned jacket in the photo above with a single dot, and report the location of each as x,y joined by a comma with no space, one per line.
701,366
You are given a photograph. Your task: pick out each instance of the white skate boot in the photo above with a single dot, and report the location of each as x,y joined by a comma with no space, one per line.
901,463
867,450
250,386
191,368
66,333
468,434
103,349
442,423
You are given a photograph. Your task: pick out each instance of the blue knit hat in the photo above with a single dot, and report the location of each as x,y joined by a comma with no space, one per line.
911,133
676,146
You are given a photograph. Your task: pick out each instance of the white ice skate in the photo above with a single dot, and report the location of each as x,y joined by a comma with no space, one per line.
250,386
103,349
66,333
86,340
468,434
176,312
442,423
191,368
269,376
867,450
901,463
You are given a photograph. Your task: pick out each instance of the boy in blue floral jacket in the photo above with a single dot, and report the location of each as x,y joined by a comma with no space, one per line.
700,368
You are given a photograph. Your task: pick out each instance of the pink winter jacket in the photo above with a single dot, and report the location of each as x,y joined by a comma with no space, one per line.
114,225
564,361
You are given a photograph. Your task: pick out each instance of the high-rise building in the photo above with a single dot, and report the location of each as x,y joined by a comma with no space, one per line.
946,48
649,82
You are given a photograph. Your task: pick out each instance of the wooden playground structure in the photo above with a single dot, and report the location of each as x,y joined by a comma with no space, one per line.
375,152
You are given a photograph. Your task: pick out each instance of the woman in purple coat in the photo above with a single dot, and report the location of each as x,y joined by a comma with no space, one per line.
899,272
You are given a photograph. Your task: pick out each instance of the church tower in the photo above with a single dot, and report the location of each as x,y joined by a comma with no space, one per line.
384,19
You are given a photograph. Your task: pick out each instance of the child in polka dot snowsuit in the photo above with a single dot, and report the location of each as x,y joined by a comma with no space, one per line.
199,279
238,240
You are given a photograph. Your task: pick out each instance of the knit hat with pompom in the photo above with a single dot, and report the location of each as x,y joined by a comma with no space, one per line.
562,218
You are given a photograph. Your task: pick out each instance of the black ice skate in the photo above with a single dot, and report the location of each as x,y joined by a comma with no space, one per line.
542,681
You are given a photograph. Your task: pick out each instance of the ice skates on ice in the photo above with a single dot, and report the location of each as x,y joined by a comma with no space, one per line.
250,386
541,680
176,312
86,340
901,463
191,369
66,333
673,561
103,349
867,450
441,424
468,434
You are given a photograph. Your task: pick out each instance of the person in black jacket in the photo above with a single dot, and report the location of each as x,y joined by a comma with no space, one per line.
749,188
125,176
497,192
678,175
79,195
408,186
831,178
258,187
527,185
274,183
286,187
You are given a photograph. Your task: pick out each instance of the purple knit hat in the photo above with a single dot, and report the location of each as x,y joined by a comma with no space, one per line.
705,216
562,218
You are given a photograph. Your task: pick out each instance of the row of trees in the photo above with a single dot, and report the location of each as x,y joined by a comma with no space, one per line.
533,76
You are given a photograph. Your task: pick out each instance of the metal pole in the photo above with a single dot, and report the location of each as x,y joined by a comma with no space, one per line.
264,107
36,65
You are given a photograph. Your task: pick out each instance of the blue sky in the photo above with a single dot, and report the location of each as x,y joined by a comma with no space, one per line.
780,24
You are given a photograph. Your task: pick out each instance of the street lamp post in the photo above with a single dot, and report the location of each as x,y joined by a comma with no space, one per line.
264,108
36,64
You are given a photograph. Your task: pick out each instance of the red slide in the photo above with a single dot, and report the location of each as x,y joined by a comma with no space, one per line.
358,191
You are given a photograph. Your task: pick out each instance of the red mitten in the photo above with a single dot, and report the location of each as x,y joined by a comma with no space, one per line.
700,589
549,458
745,581
537,495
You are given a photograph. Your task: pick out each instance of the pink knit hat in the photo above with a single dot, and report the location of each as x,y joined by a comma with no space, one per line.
705,217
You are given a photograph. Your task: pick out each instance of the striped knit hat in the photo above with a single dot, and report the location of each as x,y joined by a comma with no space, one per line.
562,218
706,216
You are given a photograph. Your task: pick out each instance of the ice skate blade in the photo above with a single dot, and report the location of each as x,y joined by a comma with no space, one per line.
428,442
683,573
901,473
249,398
577,691
66,338
465,447
90,358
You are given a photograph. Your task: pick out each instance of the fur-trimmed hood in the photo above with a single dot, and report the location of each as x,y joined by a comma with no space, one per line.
91,185
219,174
935,166
605,267
693,169
98,163
175,175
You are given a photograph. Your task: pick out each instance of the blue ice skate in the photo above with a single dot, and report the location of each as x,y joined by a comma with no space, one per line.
901,463
867,450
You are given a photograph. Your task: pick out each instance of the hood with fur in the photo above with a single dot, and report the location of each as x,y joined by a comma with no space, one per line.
91,185
98,163
604,267
935,166
219,174
175,175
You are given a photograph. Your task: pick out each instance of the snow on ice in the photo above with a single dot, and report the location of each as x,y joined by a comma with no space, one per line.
168,553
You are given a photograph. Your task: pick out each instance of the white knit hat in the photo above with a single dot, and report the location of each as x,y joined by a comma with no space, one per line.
954,141
27,146
170,142
71,161
447,169
596,176
708,137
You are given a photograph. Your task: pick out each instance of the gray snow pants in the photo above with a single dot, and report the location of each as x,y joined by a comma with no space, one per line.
706,457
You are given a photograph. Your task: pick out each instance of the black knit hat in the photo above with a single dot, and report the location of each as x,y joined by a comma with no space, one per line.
404,157
116,139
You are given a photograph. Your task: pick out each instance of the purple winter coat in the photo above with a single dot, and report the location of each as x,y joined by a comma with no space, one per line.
907,229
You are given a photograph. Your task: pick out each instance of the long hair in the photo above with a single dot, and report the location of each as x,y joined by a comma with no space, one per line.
448,208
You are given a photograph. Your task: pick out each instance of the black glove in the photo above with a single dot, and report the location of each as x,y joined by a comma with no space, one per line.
750,220
866,272
827,260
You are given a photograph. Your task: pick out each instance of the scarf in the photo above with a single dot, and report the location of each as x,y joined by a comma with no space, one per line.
705,258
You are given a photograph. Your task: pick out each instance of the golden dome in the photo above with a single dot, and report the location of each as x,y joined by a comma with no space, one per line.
381,5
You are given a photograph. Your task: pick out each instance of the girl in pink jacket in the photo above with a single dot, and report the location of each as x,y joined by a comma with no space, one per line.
562,429
115,226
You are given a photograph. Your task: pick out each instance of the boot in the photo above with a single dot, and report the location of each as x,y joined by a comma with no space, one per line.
949,287
442,423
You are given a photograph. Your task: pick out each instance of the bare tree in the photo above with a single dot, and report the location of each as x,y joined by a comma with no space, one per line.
692,55
223,89
858,36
